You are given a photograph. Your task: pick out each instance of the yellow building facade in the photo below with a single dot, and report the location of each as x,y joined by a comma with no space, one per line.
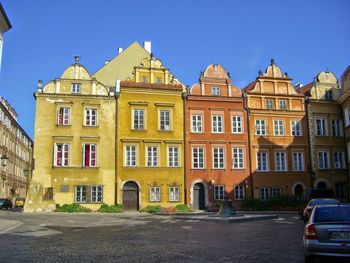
75,124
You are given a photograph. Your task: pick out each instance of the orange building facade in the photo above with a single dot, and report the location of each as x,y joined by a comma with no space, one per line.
278,135
217,164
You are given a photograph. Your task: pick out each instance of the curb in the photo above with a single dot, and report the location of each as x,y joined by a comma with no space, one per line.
230,219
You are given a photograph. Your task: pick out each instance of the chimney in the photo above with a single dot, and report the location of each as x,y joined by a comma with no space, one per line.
77,59
148,46
117,85
120,50
40,86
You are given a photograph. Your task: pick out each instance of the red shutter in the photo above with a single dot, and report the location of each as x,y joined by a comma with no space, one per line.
87,155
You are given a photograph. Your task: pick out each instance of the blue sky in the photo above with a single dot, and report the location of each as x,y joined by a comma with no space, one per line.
304,37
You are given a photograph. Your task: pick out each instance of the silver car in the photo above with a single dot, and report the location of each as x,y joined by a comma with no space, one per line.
327,233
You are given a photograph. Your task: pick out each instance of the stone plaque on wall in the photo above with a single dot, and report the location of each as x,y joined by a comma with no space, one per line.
64,188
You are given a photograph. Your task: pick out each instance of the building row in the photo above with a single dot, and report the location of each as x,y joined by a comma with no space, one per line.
133,134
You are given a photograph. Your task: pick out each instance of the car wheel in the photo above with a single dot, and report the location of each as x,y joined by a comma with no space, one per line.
309,259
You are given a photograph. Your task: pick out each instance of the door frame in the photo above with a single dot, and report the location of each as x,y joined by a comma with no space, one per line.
206,197
139,195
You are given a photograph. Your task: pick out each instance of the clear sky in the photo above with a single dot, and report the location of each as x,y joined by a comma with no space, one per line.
304,37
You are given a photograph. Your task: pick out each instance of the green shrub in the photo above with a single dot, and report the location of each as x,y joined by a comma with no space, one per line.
182,208
254,204
111,208
151,209
72,208
279,204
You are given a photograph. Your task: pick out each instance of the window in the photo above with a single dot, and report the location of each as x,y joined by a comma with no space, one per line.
90,117
281,161
321,127
275,192
61,152
173,156
339,160
144,79
323,161
328,95
337,129
164,119
239,192
174,194
219,192
75,87
89,155
269,104
238,158
80,194
262,161
237,124
139,116
340,190
159,80
260,127
63,116
96,194
283,104
296,128
197,158
155,194
48,193
152,156
346,117
278,127
218,158
298,161
217,123
130,155
196,123
215,91
264,193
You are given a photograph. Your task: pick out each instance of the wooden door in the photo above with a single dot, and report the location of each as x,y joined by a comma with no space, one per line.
131,196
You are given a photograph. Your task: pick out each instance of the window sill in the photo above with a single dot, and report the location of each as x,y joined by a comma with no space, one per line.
90,126
63,125
218,169
90,167
198,169
141,130
235,169
165,130
193,132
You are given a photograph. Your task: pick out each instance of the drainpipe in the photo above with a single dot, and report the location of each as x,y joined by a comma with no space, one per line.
312,173
184,97
117,94
245,95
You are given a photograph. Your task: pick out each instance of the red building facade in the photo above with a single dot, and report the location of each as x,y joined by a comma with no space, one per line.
217,163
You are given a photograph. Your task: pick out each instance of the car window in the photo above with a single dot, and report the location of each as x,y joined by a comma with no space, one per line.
332,214
323,202
2,201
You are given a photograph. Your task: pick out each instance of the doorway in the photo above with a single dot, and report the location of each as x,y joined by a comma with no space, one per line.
198,196
131,196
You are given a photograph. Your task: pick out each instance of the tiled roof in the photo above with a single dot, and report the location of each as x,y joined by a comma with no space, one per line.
305,89
151,85
249,87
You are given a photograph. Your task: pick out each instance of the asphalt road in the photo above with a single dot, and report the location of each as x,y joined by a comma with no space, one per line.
144,238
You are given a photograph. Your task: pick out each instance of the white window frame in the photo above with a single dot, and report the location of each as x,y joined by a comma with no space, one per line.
219,192
152,156
138,119
337,128
346,117
165,120
65,149
278,128
91,159
269,103
283,105
325,160
173,156
237,124
296,129
266,159
174,194
88,117
196,123
339,160
79,196
328,95
281,161
154,194
260,127
219,154
96,194
275,192
217,123
239,192
215,91
199,160
130,155
298,161
238,158
264,193
323,126
65,116
76,88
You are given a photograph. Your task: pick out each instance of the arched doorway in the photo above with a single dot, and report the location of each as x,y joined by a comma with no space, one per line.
131,196
321,185
198,196
298,191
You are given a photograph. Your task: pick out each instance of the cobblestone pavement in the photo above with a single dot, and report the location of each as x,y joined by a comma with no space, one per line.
59,237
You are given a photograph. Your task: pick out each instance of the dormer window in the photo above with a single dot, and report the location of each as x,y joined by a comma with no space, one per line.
159,80
144,79
269,104
329,95
215,91
75,87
